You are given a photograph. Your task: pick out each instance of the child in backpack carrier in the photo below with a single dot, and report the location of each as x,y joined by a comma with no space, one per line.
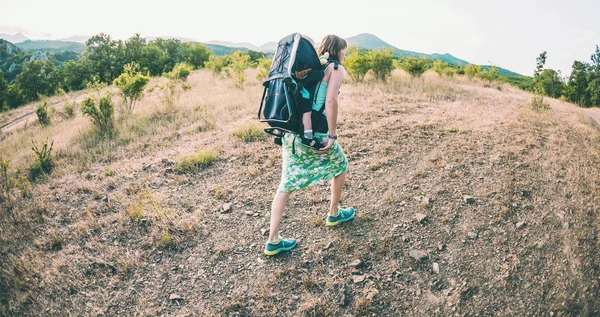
305,102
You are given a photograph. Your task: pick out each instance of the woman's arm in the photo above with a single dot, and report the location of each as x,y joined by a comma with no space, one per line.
331,102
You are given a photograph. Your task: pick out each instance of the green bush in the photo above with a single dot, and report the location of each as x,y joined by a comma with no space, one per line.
43,163
263,67
442,68
357,64
70,109
101,112
42,113
382,63
131,84
181,71
415,66
218,64
473,70
239,63
197,161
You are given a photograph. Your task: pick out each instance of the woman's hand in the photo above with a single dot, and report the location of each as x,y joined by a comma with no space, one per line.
328,144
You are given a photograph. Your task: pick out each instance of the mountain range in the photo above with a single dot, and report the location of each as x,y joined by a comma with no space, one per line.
365,41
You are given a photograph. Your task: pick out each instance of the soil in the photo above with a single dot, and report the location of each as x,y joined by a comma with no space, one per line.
468,202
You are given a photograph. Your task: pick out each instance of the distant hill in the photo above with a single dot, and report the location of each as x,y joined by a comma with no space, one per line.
76,38
182,39
370,41
13,38
220,50
268,47
51,46
235,45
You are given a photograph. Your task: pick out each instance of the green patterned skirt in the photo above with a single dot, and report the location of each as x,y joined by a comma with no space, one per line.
307,167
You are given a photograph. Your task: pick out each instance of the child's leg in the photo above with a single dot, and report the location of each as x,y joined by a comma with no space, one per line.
307,123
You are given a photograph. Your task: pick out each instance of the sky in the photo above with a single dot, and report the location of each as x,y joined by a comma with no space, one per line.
508,33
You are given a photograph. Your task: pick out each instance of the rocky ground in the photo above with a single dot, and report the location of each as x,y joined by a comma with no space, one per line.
468,203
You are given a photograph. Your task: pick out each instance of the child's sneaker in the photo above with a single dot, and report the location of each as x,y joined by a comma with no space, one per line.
312,143
343,216
282,245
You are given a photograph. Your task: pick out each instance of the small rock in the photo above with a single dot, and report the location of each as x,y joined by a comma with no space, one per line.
249,212
226,208
105,199
356,263
472,235
264,231
566,225
468,199
520,224
358,278
421,217
441,247
418,254
436,268
175,297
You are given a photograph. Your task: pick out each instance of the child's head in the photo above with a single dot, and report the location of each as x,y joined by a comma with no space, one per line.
335,45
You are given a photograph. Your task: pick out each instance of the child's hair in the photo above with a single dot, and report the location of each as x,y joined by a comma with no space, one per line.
332,44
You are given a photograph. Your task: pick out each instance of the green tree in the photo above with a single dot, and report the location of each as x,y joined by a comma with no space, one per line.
14,96
134,49
239,63
382,63
76,74
264,65
131,84
538,99
550,83
472,70
195,54
490,76
3,89
105,57
442,68
38,78
218,64
357,63
578,83
415,66
151,59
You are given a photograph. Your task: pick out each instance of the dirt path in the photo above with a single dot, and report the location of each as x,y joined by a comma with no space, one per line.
594,113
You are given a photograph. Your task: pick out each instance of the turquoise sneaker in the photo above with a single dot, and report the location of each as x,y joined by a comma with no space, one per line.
343,216
282,245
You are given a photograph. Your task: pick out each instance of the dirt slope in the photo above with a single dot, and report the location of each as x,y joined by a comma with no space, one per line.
510,195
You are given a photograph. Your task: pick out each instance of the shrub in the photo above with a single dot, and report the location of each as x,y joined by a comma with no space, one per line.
131,84
357,63
43,163
537,102
70,109
197,161
264,66
239,62
42,113
101,112
218,64
382,63
490,76
443,68
6,183
250,133
473,70
181,71
415,66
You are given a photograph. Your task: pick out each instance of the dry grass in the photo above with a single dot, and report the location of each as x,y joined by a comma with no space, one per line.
114,223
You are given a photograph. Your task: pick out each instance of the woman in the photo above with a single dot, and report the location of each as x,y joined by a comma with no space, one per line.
307,166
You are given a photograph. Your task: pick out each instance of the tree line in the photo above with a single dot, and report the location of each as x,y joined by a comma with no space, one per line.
103,61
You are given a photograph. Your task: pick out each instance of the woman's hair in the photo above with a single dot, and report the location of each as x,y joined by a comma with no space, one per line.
332,44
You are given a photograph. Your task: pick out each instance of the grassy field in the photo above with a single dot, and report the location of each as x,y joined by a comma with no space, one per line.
168,217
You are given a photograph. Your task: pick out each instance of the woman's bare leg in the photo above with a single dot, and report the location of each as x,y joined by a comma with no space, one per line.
337,184
277,209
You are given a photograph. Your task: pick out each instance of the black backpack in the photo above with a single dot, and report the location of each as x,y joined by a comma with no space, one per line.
295,65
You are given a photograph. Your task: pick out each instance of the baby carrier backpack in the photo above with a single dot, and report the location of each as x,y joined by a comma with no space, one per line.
295,66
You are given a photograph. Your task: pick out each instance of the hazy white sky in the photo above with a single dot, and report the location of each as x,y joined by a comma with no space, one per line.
508,33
